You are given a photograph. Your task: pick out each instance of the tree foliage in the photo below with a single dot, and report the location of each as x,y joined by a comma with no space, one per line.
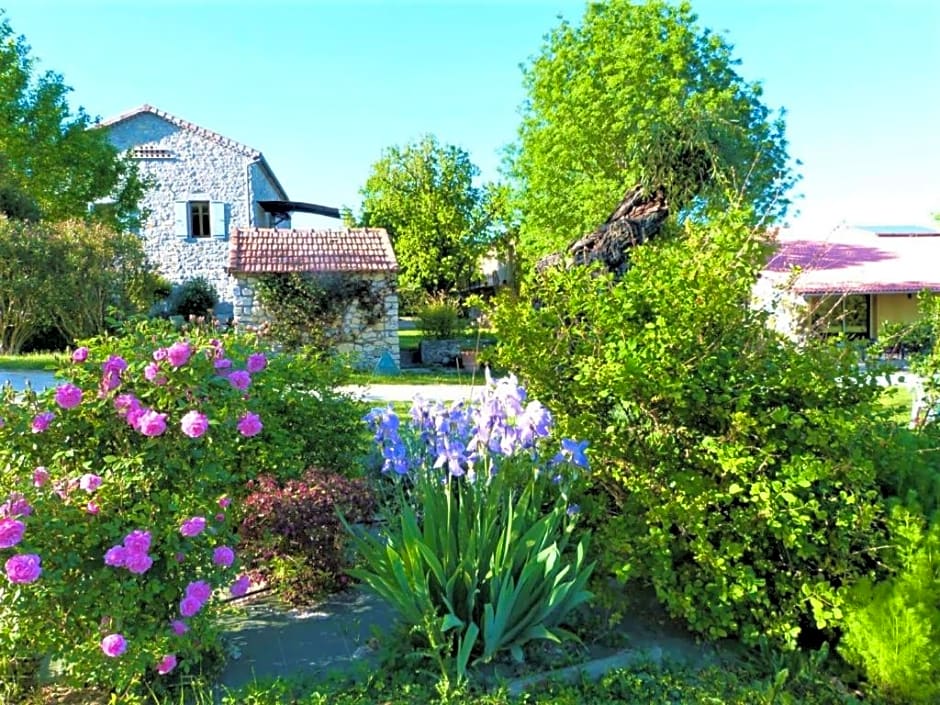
424,195
70,276
736,471
639,94
54,164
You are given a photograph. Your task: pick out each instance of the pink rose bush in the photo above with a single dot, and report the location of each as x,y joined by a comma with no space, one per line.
105,522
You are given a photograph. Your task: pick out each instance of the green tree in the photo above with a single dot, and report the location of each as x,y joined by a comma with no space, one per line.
639,94
424,195
99,274
68,276
53,160
733,469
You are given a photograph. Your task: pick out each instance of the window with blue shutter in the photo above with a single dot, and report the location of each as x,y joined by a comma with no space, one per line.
181,219
217,218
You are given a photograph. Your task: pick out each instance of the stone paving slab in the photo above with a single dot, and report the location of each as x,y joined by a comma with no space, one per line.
266,640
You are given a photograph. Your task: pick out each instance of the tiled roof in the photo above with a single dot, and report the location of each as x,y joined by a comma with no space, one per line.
277,250
858,261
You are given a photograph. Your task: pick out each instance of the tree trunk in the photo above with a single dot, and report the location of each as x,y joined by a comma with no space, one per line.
637,219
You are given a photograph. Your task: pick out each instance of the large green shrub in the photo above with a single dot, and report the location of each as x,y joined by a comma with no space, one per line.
194,298
439,318
892,628
734,469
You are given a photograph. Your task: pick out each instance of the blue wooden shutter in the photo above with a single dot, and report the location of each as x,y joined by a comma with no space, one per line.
217,217
181,219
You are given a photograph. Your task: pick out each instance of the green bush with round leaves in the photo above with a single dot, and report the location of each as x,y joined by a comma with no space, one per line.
735,469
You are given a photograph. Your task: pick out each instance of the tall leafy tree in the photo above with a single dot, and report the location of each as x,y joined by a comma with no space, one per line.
640,94
70,276
424,195
54,165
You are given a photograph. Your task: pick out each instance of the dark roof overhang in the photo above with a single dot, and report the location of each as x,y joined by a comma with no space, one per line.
284,207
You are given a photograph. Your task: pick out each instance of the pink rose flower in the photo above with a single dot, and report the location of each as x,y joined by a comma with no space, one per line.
89,482
178,353
124,403
15,506
167,664
114,645
137,541
179,627
250,424
223,556
109,381
40,476
224,502
152,373
189,606
80,354
68,396
199,590
256,362
194,424
240,380
114,363
41,421
151,423
133,417
222,366
159,354
138,563
193,527
23,568
115,556
11,532
92,508
240,586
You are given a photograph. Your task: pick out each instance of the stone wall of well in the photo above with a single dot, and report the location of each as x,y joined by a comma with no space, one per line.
364,342
191,167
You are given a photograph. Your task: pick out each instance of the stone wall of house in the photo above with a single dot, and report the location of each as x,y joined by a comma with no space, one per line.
185,166
263,190
365,342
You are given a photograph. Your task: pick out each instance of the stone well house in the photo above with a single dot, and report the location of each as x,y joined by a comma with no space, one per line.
364,253
212,195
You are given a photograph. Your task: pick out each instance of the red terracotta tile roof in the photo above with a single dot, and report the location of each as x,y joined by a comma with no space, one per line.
859,261
277,250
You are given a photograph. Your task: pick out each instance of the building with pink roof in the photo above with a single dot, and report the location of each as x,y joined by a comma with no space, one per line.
857,278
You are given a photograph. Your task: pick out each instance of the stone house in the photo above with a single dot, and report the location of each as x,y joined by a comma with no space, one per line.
210,195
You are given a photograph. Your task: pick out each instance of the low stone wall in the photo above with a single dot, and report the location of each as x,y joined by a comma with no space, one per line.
365,341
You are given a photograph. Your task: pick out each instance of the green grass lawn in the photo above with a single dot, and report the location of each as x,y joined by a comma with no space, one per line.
32,361
898,400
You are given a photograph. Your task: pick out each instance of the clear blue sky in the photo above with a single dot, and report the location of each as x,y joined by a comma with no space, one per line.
322,86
